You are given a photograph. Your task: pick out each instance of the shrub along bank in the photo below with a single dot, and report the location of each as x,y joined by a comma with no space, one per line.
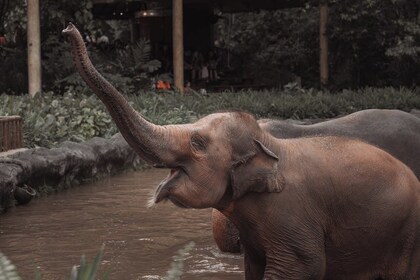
50,119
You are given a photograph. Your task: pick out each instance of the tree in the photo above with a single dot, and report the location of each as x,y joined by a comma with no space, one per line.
54,15
372,42
272,44
371,38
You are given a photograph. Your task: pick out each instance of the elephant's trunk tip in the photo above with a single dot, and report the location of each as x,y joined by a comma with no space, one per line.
70,27
151,201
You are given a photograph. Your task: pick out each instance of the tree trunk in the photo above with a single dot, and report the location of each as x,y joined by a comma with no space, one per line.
178,44
323,44
34,48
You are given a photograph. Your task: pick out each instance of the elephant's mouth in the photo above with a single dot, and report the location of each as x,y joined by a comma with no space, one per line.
165,188
177,203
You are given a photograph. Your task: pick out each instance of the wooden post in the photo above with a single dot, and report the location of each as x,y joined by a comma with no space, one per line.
323,44
34,48
178,44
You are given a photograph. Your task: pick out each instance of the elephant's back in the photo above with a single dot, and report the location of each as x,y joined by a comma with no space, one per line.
354,165
394,131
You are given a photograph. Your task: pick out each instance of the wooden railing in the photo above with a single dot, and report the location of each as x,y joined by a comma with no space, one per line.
11,135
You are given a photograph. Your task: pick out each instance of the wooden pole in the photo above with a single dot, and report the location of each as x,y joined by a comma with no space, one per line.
34,48
323,44
178,44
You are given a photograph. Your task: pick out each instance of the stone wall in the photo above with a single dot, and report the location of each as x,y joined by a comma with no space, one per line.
70,164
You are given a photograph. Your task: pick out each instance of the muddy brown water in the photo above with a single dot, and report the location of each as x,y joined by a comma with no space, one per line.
51,233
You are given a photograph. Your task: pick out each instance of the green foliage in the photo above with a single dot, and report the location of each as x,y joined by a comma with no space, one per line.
127,69
87,271
292,102
50,119
139,54
165,108
54,15
134,62
296,102
175,272
57,62
269,44
372,43
7,269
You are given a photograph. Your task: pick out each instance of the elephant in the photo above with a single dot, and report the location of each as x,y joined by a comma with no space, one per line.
394,131
306,208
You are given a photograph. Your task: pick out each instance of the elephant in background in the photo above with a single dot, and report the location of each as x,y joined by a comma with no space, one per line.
305,208
394,131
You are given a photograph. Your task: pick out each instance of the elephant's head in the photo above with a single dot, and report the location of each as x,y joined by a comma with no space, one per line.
221,155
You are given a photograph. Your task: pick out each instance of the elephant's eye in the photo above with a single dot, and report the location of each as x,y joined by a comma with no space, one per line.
198,142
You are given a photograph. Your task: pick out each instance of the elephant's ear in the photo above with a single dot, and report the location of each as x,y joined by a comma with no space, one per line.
256,172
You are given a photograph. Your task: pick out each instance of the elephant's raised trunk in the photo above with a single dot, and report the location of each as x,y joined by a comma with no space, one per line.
148,140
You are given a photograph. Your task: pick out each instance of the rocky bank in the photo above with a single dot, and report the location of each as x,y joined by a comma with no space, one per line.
49,170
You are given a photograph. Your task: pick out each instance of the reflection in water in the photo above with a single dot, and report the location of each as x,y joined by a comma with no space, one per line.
50,234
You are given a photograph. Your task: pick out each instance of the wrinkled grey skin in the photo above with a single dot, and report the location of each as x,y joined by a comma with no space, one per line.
397,132
394,131
305,208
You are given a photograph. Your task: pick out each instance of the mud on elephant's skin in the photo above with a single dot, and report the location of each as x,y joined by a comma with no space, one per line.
343,208
394,131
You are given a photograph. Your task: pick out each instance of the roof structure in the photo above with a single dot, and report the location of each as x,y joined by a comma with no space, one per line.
234,6
111,9
116,9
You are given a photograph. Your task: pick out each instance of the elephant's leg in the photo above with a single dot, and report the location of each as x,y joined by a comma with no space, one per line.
414,271
254,267
225,233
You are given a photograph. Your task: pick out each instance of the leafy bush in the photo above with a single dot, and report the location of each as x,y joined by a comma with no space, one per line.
50,119
127,69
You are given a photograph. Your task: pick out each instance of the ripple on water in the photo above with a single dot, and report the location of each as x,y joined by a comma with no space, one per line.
52,233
